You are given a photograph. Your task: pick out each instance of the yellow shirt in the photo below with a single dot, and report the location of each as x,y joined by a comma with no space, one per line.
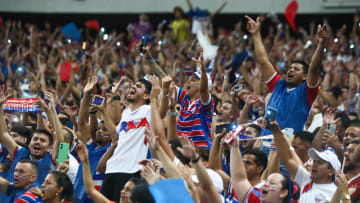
180,29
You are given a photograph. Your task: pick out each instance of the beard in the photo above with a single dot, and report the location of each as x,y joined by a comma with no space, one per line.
349,167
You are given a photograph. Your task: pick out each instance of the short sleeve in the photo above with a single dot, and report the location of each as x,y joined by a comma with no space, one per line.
312,92
302,177
272,81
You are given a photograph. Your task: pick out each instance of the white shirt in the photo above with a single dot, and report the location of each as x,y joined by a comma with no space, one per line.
317,193
132,146
73,168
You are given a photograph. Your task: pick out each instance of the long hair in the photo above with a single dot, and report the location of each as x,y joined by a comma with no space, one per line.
63,180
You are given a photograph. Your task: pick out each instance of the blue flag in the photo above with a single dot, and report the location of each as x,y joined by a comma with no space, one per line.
71,31
170,190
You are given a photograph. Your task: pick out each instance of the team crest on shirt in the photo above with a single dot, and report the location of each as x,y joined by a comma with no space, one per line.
134,124
320,198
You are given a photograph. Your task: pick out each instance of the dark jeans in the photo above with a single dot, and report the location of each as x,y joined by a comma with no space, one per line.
114,183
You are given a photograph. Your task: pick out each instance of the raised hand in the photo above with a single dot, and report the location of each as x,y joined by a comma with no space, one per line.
342,182
90,84
330,139
150,173
322,33
166,81
64,166
151,138
251,99
156,89
329,115
253,26
188,148
82,152
200,61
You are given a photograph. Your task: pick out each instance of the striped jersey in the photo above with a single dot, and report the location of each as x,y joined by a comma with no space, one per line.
195,119
28,197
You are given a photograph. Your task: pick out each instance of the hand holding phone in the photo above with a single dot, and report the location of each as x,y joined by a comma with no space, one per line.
270,116
331,127
98,100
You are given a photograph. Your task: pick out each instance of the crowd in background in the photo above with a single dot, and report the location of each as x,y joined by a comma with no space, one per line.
183,102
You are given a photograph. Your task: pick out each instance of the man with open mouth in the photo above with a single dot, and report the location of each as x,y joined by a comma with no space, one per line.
291,97
25,175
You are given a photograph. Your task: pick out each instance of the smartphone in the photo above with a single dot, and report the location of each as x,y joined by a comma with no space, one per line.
229,139
63,152
228,127
144,41
270,116
98,100
331,127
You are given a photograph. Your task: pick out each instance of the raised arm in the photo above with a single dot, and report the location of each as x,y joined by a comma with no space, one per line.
54,120
314,67
240,181
284,152
101,167
215,157
109,124
206,184
157,124
266,67
95,195
84,110
164,103
5,137
204,89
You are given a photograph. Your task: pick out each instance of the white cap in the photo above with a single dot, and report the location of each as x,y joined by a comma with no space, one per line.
215,179
327,156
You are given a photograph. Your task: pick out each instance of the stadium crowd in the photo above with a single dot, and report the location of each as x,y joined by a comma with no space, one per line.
180,112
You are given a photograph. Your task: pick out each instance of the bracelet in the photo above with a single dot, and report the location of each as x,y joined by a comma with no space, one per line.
148,58
170,113
194,161
116,98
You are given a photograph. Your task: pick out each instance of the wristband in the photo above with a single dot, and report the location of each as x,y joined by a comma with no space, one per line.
345,197
170,113
148,58
93,112
194,161
116,98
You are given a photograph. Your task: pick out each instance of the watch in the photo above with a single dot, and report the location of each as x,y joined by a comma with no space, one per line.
345,197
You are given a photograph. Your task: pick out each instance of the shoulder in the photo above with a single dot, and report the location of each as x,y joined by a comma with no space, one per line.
28,197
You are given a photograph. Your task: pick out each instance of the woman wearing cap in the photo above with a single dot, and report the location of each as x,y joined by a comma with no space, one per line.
277,187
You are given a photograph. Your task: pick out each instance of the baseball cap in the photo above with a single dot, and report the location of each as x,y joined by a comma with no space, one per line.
198,75
215,179
327,156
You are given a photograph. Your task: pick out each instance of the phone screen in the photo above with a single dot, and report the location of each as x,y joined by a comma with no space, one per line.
98,100
63,152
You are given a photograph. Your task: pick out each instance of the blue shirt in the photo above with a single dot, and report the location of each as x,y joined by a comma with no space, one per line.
14,193
293,105
3,153
45,164
95,155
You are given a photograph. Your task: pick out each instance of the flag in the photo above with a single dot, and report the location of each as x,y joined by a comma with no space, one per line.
71,31
93,24
65,71
290,13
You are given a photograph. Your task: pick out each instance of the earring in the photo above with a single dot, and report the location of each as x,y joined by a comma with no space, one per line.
57,194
